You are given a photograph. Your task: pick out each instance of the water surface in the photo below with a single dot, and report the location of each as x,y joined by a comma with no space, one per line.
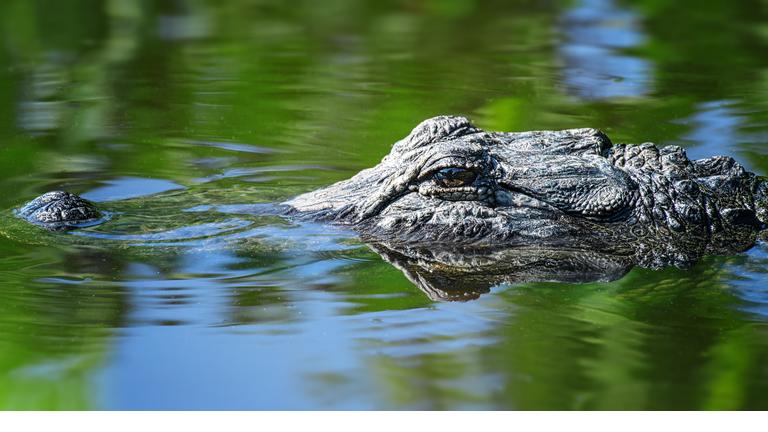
182,117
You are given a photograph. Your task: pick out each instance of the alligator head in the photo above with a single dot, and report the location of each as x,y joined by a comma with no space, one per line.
449,182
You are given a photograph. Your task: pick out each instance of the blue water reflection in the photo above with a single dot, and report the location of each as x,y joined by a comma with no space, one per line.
595,67
130,187
317,360
749,281
718,126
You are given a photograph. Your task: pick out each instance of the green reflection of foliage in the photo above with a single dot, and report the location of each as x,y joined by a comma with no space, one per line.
653,340
430,381
52,334
733,366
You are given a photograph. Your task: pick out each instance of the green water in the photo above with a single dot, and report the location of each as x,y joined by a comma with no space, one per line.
169,111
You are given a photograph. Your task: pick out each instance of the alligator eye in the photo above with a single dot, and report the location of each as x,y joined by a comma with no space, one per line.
454,177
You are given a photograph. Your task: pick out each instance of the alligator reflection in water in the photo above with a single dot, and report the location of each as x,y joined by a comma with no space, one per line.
466,273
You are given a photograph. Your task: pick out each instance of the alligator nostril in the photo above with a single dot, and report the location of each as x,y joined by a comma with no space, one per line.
454,177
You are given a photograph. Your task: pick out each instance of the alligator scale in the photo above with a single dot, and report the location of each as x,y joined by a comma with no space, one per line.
450,185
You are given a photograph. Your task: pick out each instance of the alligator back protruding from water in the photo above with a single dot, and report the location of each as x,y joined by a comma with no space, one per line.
60,211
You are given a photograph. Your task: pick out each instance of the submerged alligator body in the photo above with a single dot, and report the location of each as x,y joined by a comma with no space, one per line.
450,185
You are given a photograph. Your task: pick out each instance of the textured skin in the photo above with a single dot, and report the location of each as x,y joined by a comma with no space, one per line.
565,189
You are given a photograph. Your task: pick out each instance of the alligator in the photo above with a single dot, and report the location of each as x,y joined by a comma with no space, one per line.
451,186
